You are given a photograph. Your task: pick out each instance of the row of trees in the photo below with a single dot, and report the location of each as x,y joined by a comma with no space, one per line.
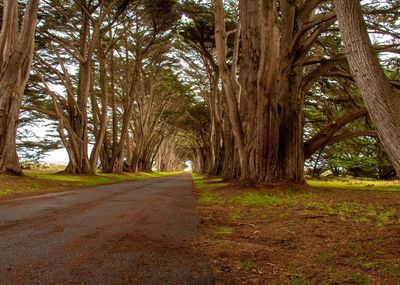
245,89
104,72
281,65
118,81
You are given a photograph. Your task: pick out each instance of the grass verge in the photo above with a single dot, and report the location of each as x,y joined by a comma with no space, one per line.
42,181
312,236
355,184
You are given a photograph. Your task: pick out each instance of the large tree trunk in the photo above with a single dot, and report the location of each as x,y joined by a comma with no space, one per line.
279,98
16,49
268,128
100,119
230,90
78,133
382,102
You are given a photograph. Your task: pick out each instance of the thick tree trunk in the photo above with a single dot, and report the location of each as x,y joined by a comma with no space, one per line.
268,130
200,165
16,49
77,140
230,90
103,115
281,81
271,90
382,102
78,134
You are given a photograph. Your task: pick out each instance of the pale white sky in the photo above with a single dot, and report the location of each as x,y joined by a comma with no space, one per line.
59,157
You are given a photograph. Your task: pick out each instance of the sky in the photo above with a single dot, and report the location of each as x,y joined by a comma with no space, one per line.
59,157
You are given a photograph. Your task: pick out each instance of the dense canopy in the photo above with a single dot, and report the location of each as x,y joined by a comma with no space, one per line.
259,91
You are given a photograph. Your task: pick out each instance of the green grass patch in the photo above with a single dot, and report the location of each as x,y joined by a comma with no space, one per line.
235,216
243,218
355,212
224,230
356,184
202,182
387,216
379,216
249,199
42,181
247,265
211,199
101,178
304,202
198,180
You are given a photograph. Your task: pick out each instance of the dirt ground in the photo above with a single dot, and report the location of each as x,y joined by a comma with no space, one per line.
312,236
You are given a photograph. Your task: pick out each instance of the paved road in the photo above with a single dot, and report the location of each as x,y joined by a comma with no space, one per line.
136,232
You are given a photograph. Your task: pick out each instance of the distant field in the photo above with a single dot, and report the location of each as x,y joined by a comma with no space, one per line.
46,181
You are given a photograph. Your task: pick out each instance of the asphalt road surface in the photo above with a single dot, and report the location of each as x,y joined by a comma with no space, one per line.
138,232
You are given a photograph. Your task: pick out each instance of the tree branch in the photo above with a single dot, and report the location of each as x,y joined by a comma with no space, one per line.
321,139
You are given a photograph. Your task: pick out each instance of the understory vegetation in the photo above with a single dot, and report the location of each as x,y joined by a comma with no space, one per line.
317,235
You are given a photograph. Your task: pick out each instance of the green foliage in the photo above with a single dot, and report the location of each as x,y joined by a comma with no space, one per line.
162,14
198,29
32,148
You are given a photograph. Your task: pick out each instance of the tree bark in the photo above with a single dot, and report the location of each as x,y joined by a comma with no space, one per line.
16,51
381,100
103,117
230,90
78,133
267,125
